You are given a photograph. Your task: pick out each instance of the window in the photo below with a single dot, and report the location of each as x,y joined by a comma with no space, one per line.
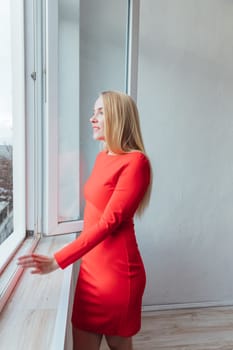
12,128
85,46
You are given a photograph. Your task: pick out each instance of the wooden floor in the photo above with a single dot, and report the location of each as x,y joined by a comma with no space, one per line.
192,329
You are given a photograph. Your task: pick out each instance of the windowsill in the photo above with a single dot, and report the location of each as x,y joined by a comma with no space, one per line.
10,274
38,311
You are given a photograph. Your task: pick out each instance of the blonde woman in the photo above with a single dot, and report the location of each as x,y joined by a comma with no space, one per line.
112,278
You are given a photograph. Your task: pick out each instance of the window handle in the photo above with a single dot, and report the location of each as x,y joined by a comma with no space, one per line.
33,76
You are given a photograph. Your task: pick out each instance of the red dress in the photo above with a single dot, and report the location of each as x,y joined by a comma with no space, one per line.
112,278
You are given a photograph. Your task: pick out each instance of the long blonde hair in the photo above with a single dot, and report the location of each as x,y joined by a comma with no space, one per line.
123,131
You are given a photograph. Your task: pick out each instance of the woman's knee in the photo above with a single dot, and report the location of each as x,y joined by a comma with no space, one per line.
119,343
83,340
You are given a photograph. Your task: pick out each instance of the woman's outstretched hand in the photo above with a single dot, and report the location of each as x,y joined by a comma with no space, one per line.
40,264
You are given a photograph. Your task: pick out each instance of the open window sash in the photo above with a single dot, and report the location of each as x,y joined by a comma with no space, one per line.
61,165
61,194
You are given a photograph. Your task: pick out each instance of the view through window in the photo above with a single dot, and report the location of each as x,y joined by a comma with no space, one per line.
6,149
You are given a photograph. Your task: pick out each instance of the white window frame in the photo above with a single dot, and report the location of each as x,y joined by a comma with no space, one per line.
8,247
51,224
132,48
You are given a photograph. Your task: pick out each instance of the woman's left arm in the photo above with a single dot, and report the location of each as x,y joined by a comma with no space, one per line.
127,195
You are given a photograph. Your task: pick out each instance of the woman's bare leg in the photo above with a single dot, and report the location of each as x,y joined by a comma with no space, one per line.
83,340
119,343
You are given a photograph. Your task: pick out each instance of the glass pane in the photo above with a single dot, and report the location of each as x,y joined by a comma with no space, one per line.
103,35
6,149
68,109
91,58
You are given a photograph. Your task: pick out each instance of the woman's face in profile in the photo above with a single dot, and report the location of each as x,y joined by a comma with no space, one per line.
97,120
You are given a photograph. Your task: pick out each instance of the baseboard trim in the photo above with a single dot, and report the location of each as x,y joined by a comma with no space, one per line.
196,305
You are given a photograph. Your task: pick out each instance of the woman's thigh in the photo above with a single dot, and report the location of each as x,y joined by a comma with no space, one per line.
83,340
119,343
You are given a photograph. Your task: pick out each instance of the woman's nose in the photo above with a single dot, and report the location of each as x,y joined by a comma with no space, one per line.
93,118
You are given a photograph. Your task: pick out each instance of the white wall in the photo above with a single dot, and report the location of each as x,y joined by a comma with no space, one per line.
185,95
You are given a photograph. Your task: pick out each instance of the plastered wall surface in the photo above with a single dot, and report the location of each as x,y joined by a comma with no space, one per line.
185,94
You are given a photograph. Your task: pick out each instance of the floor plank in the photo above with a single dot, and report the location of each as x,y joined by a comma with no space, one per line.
192,329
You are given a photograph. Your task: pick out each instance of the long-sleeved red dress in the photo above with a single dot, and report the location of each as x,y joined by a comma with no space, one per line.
112,277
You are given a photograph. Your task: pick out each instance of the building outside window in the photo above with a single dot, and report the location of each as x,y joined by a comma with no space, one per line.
6,148
6,191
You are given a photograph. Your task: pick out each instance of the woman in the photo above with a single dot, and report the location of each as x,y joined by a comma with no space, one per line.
112,278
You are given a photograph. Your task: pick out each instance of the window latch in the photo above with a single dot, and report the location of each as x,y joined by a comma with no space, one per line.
33,76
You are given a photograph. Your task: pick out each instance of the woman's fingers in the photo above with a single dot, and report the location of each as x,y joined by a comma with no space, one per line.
33,257
26,261
41,264
41,258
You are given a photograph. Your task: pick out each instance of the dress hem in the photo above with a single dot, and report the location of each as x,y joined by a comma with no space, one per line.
101,332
